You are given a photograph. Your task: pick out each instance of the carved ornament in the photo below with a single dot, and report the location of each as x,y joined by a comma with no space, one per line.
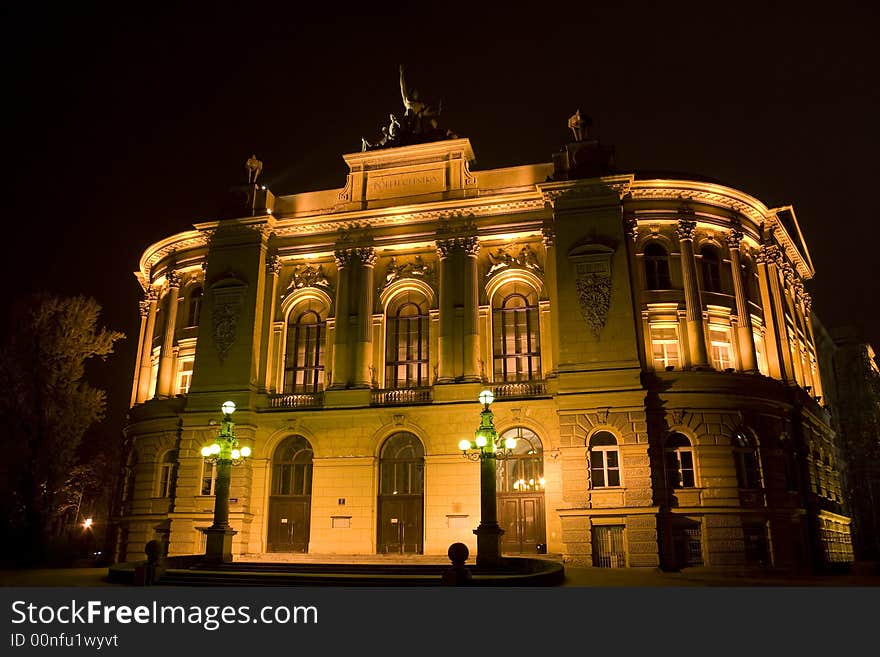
506,257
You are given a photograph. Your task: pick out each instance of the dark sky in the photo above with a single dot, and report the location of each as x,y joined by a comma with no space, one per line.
123,128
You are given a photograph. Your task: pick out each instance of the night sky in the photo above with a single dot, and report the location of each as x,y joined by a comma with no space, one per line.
124,128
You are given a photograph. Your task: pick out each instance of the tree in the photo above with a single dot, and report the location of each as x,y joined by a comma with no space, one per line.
45,409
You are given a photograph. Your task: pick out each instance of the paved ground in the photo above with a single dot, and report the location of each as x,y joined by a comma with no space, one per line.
575,576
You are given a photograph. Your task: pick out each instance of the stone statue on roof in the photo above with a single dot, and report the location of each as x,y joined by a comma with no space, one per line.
254,167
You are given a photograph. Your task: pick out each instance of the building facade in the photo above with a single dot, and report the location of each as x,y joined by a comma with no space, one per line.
647,340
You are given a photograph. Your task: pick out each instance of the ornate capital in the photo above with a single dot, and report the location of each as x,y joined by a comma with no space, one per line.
631,227
362,255
145,307
788,273
469,245
686,229
548,235
807,300
734,238
273,265
152,293
173,278
769,254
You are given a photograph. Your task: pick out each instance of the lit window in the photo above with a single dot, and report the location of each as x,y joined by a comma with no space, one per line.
679,462
722,352
604,460
209,478
166,472
304,360
184,376
664,347
761,354
656,267
516,341
745,455
406,343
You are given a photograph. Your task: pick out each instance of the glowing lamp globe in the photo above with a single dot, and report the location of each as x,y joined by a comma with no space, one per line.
228,408
486,397
215,448
206,451
245,451
510,442
481,440
464,445
236,454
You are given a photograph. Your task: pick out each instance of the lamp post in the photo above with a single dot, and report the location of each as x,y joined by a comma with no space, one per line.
224,452
485,449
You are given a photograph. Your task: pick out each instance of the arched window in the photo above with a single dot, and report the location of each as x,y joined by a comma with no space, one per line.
166,473
194,306
304,360
516,339
679,462
604,460
523,470
656,267
292,467
710,262
745,455
406,342
402,462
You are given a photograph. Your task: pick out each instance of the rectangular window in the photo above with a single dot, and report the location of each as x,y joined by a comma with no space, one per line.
722,352
604,467
209,478
184,376
664,347
165,480
761,354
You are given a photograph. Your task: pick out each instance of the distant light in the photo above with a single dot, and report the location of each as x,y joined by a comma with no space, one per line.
268,210
486,397
245,451
228,408
464,445
87,523
263,187
206,451
541,481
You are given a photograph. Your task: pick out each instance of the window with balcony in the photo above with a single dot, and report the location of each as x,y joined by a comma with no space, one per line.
516,339
656,267
304,360
406,342
665,352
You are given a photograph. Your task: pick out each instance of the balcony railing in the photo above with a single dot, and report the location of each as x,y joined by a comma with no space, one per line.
398,396
297,400
519,390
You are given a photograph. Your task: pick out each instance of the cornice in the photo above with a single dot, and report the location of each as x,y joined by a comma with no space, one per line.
586,188
700,192
190,239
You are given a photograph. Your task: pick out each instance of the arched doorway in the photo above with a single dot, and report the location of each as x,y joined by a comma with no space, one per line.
401,495
520,494
290,501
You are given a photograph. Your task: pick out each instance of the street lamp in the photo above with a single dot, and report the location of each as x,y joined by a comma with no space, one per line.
486,449
224,452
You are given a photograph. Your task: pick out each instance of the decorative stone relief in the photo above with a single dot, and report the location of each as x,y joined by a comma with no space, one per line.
307,275
592,276
415,268
505,257
224,320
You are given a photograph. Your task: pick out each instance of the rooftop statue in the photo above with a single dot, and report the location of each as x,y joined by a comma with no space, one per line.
254,167
418,124
579,126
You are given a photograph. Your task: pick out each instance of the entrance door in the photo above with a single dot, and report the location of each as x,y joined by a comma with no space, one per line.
400,525
290,504
401,495
289,524
520,494
522,519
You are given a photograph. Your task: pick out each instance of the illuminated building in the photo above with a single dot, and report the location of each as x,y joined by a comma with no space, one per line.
647,339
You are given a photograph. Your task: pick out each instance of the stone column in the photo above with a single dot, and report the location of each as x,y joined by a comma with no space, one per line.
146,349
807,304
768,260
341,351
789,298
267,379
365,260
748,360
470,311
552,337
145,311
446,362
164,388
692,301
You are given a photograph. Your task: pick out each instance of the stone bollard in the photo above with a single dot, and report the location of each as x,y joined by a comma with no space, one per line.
145,574
457,574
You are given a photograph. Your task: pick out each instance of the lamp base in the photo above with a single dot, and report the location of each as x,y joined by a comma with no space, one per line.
488,545
218,544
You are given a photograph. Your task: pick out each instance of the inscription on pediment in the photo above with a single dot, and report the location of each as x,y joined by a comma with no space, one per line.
411,183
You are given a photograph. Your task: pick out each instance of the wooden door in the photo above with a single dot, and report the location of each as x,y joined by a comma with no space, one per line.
289,524
521,516
400,524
